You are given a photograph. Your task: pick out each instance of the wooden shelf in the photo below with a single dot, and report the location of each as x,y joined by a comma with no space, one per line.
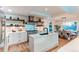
39,25
15,26
15,20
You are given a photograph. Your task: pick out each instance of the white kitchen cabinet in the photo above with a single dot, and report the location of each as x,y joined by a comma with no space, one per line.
17,37
41,43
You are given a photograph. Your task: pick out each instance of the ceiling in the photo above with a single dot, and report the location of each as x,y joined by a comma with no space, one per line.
40,10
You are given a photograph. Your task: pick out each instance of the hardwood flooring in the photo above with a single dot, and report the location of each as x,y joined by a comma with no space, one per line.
1,49
23,47
62,42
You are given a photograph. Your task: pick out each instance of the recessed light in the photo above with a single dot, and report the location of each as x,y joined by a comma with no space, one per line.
46,9
9,10
1,8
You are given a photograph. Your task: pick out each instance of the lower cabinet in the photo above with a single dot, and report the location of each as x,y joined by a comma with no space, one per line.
15,38
41,43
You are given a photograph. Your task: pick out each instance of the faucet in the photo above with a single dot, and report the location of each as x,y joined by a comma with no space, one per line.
46,29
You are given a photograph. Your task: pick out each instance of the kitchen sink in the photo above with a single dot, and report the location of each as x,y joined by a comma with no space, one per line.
44,34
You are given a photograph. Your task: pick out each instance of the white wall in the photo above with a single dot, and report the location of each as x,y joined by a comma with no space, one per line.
2,14
47,22
69,17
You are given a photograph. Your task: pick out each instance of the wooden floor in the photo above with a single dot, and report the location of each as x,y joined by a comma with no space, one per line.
23,47
62,42
1,49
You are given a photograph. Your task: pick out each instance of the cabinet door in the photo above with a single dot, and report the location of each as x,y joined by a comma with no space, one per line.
40,43
23,37
14,38
52,41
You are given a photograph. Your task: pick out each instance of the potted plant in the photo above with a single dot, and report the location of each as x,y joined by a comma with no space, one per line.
57,27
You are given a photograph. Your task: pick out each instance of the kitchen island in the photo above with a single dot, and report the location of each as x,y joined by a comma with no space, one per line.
42,43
